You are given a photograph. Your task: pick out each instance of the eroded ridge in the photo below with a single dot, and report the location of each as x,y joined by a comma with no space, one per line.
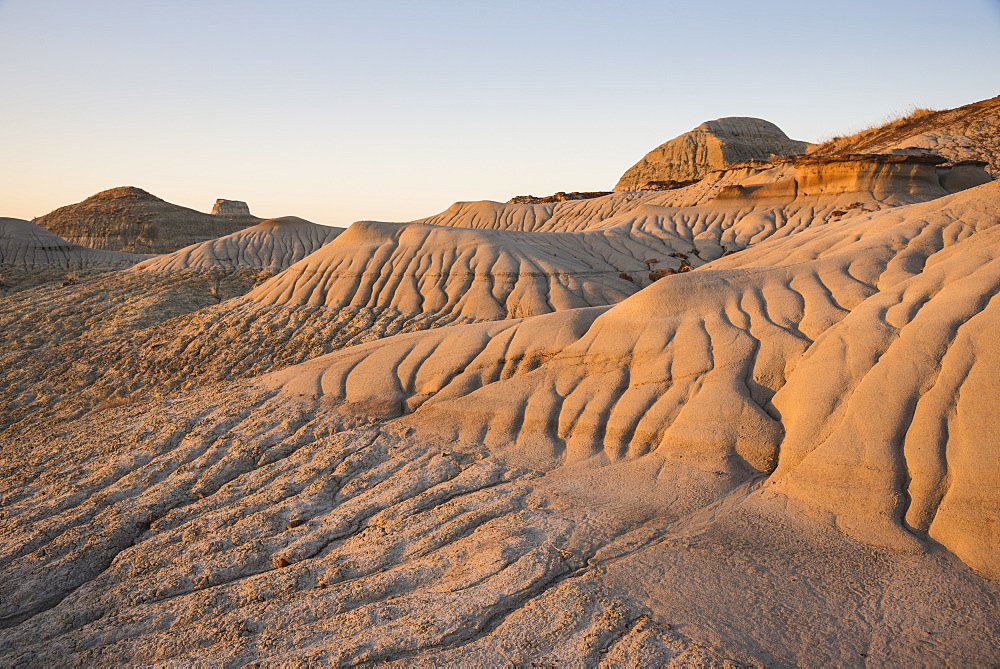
724,370
273,245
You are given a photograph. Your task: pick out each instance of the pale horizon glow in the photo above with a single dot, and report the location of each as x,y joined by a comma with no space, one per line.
337,111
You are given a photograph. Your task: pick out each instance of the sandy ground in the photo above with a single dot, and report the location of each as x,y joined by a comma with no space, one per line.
467,441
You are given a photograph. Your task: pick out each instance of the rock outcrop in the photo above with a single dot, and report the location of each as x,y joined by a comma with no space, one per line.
831,358
234,210
31,256
561,196
130,219
969,133
746,421
714,145
803,429
25,244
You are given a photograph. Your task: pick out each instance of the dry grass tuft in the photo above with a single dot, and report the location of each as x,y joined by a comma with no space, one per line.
897,123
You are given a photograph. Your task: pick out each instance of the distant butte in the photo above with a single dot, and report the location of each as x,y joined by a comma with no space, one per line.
236,211
130,219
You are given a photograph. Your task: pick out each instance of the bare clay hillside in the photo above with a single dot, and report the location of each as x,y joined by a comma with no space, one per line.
747,421
968,133
130,219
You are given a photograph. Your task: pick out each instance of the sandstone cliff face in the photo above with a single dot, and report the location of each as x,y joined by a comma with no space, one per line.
130,219
713,145
968,133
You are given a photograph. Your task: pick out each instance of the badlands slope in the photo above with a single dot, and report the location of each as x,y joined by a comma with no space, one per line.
26,244
31,255
469,441
130,219
273,245
969,133
381,279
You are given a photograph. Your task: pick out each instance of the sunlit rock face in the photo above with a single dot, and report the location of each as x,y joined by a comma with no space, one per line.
490,438
969,133
714,145
234,210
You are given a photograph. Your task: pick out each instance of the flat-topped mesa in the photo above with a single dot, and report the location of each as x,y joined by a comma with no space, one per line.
712,146
234,210
130,219
882,175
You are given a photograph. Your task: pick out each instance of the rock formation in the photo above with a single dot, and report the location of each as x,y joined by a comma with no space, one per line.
130,219
25,244
785,422
31,256
489,438
462,263
273,245
968,133
714,145
561,196
234,210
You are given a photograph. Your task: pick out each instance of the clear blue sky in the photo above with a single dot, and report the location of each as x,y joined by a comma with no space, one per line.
338,111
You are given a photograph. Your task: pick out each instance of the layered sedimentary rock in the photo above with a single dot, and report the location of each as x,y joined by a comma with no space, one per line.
234,210
32,256
802,428
25,244
485,273
273,245
561,196
479,274
845,363
130,219
714,145
969,133
381,279
486,438
879,180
